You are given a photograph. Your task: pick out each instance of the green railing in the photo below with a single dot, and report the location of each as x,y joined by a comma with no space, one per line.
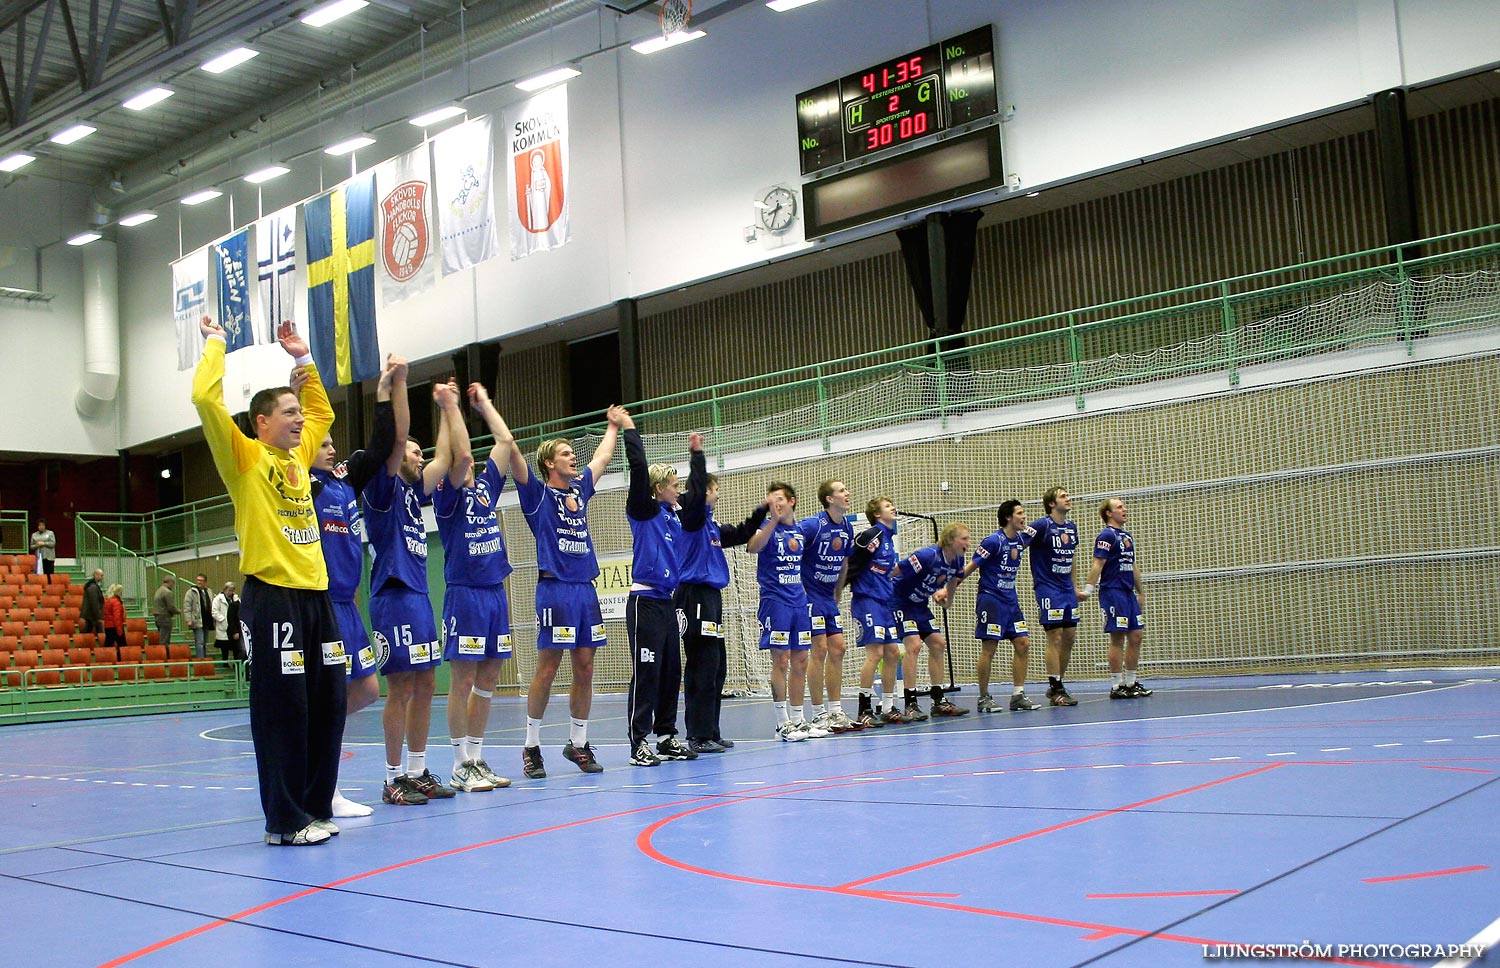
86,692
1217,327
15,532
102,543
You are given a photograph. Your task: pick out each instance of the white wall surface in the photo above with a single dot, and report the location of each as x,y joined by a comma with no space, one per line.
668,150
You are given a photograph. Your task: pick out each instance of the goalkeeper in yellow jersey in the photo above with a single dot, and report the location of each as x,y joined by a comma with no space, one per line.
290,632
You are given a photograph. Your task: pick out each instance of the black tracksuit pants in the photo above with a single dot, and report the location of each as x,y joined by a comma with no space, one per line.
702,608
656,666
297,701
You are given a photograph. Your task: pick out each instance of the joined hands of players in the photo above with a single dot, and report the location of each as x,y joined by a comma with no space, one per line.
695,441
619,418
445,395
394,372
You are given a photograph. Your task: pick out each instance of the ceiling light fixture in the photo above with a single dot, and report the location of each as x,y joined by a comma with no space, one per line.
782,6
329,12
146,99
353,144
84,238
671,40
198,198
548,78
76,133
229,61
434,116
139,218
266,174
18,160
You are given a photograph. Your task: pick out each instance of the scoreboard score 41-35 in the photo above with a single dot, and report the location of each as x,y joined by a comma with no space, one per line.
898,102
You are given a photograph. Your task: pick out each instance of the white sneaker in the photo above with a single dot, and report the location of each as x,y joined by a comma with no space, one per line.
824,721
789,733
812,730
343,807
327,826
841,722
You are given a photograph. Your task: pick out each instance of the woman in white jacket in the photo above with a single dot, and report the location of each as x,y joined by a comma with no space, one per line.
225,608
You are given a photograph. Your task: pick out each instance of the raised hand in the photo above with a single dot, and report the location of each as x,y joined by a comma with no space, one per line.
478,395
208,327
445,395
695,441
291,340
299,379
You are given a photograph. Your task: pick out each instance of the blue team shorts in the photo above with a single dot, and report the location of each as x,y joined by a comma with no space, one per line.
1058,608
784,626
1122,610
567,614
913,619
404,633
825,615
877,626
995,619
359,655
476,623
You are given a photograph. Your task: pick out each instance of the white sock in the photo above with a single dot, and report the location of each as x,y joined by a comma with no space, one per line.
781,715
1116,678
833,706
416,763
391,772
578,732
533,732
474,747
460,755
802,714
1129,677
1017,690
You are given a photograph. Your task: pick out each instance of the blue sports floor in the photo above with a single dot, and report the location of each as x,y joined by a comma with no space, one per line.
1355,809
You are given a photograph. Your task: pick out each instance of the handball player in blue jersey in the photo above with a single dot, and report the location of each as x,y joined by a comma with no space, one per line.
555,502
336,489
1056,588
829,537
1122,598
476,613
785,629
930,573
404,633
869,576
997,611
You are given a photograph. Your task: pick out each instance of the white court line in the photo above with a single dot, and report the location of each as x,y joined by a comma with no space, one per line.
1489,736
928,776
809,781
692,784
1108,766
637,786
1336,749
1166,762
1048,769
989,773
1437,740
1216,759
1281,754
749,782
1486,938
1382,746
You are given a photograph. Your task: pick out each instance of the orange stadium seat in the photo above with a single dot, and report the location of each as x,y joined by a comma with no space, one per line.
35,627
49,601
179,653
61,579
6,601
65,625
33,580
130,655
57,641
33,643
9,643
12,627
26,563
136,625
70,611
27,601
156,653
86,640
20,663
41,614
136,640
205,670
103,673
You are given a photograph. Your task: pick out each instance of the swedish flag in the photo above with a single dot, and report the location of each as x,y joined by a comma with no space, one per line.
341,280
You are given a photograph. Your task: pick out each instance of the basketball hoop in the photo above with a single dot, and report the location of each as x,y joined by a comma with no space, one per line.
675,15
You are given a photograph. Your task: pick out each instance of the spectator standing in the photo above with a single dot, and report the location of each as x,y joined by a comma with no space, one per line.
44,546
114,617
92,614
226,611
197,612
164,608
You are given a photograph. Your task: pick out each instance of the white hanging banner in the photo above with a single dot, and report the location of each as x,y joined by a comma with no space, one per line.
463,173
281,289
403,207
190,300
537,138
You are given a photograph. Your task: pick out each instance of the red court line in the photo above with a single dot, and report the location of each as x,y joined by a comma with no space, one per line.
240,916
1412,877
1061,826
1106,897
1457,769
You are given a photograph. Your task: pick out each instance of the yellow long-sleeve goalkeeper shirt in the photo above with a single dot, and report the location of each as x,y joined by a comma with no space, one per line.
271,488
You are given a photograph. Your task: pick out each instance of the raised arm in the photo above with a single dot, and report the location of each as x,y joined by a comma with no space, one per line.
317,412
640,502
761,536
401,411
606,452
365,464
460,447
734,535
504,448
450,425
234,453
693,507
